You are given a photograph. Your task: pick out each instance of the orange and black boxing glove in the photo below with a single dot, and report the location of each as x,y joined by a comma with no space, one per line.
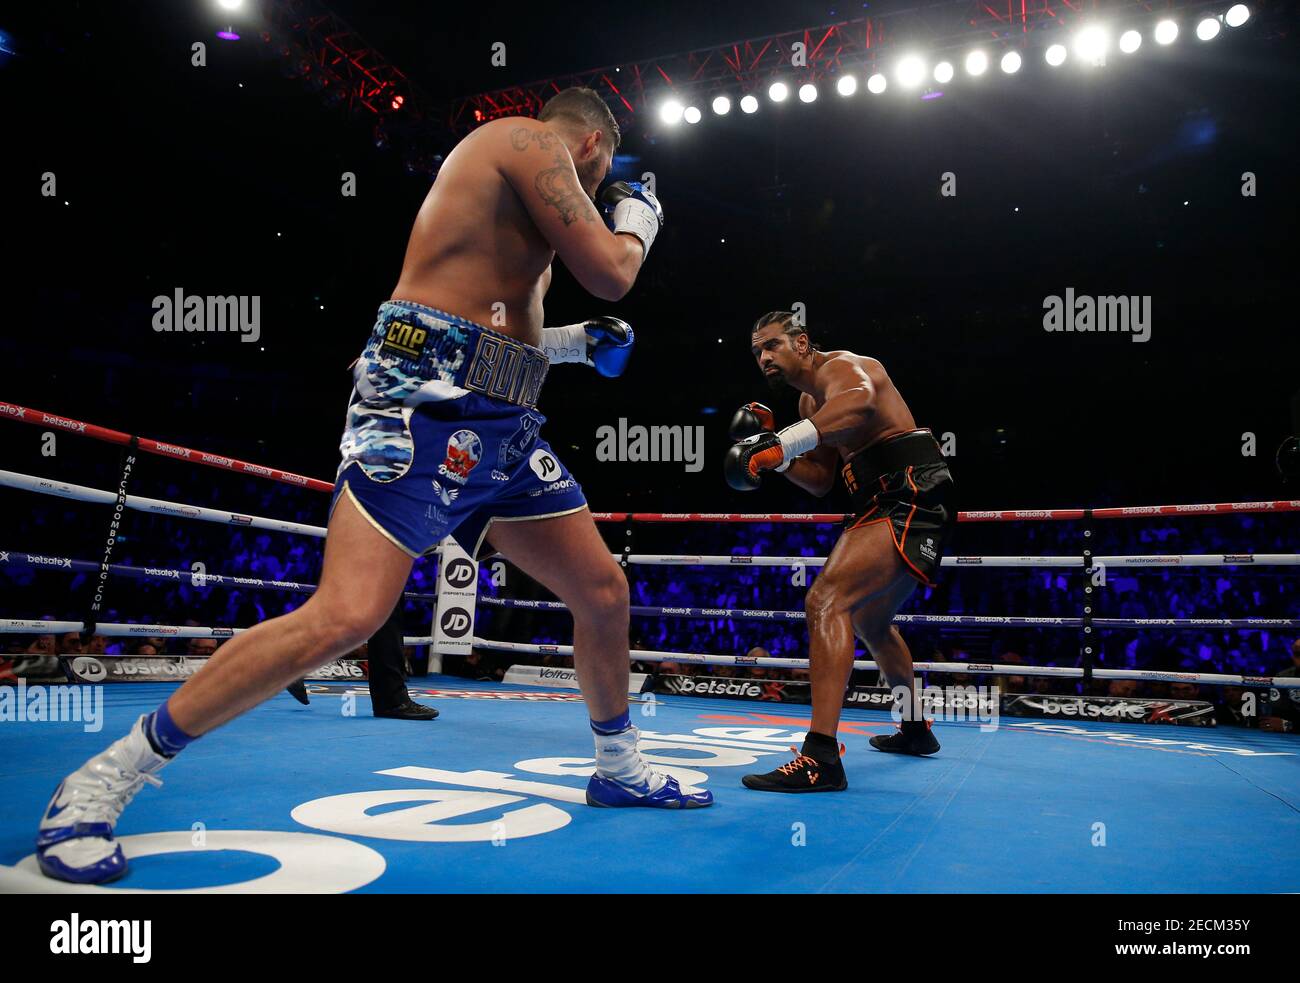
750,419
764,450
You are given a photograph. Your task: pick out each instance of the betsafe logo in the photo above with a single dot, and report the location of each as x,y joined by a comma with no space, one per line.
455,622
460,573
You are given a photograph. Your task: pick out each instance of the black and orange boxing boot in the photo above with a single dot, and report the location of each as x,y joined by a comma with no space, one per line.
912,737
816,768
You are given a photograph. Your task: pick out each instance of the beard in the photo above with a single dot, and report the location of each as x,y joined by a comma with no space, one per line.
775,380
589,174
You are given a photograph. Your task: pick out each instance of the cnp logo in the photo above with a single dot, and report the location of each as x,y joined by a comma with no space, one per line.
460,572
455,622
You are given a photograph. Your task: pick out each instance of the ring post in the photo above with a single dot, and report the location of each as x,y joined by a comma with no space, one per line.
1091,594
453,614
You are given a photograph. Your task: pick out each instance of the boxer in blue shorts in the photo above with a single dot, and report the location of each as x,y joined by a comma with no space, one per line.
443,438
443,434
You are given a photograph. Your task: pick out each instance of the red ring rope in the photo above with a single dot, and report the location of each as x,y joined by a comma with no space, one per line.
25,414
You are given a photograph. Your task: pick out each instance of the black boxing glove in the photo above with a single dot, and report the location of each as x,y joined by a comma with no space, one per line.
767,451
750,419
746,460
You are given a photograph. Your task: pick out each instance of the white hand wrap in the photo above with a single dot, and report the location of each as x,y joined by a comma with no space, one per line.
635,217
798,438
566,344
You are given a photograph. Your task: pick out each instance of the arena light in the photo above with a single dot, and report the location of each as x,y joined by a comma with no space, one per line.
910,71
749,104
1055,55
977,63
1208,29
1129,42
943,72
807,92
721,105
691,115
230,4
671,112
1011,62
1237,15
877,83
847,85
1090,45
778,91
1166,32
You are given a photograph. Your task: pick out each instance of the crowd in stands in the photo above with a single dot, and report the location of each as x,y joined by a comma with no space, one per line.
59,528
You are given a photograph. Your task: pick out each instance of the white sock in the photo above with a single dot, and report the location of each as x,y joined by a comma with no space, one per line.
619,758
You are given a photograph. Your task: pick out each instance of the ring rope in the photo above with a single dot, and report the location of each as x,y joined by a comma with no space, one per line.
752,614
24,414
115,630
1052,562
82,493
651,655
37,561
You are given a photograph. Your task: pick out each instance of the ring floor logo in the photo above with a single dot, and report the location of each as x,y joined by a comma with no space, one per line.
537,797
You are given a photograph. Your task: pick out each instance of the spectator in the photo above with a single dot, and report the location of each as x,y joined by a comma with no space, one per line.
1285,704
1124,689
39,660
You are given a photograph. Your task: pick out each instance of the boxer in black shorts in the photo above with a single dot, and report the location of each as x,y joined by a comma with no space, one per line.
854,423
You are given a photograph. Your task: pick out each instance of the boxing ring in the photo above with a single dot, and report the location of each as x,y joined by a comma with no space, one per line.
326,798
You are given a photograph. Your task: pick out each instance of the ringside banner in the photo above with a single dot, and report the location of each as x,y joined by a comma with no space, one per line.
561,677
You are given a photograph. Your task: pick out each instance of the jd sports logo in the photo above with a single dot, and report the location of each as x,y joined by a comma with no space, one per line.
455,622
91,670
544,465
460,573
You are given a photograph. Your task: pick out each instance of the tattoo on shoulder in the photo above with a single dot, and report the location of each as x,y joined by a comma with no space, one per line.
521,137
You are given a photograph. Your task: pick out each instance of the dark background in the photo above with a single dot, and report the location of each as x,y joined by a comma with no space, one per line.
224,180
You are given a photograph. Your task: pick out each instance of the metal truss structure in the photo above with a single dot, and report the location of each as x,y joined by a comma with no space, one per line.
323,51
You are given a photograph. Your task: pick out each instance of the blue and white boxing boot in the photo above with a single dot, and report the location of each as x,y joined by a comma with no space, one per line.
623,778
75,842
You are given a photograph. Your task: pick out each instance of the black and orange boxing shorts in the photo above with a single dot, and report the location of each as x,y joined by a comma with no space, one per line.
904,480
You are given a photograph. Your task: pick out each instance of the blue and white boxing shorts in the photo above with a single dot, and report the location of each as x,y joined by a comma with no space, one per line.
442,435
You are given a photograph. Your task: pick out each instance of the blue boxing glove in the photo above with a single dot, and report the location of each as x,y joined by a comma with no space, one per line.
630,208
605,343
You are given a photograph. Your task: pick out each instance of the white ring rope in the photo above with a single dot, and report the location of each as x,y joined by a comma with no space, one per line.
976,668
81,493
1053,562
11,625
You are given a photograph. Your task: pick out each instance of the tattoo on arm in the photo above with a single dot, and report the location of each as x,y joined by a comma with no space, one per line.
557,186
